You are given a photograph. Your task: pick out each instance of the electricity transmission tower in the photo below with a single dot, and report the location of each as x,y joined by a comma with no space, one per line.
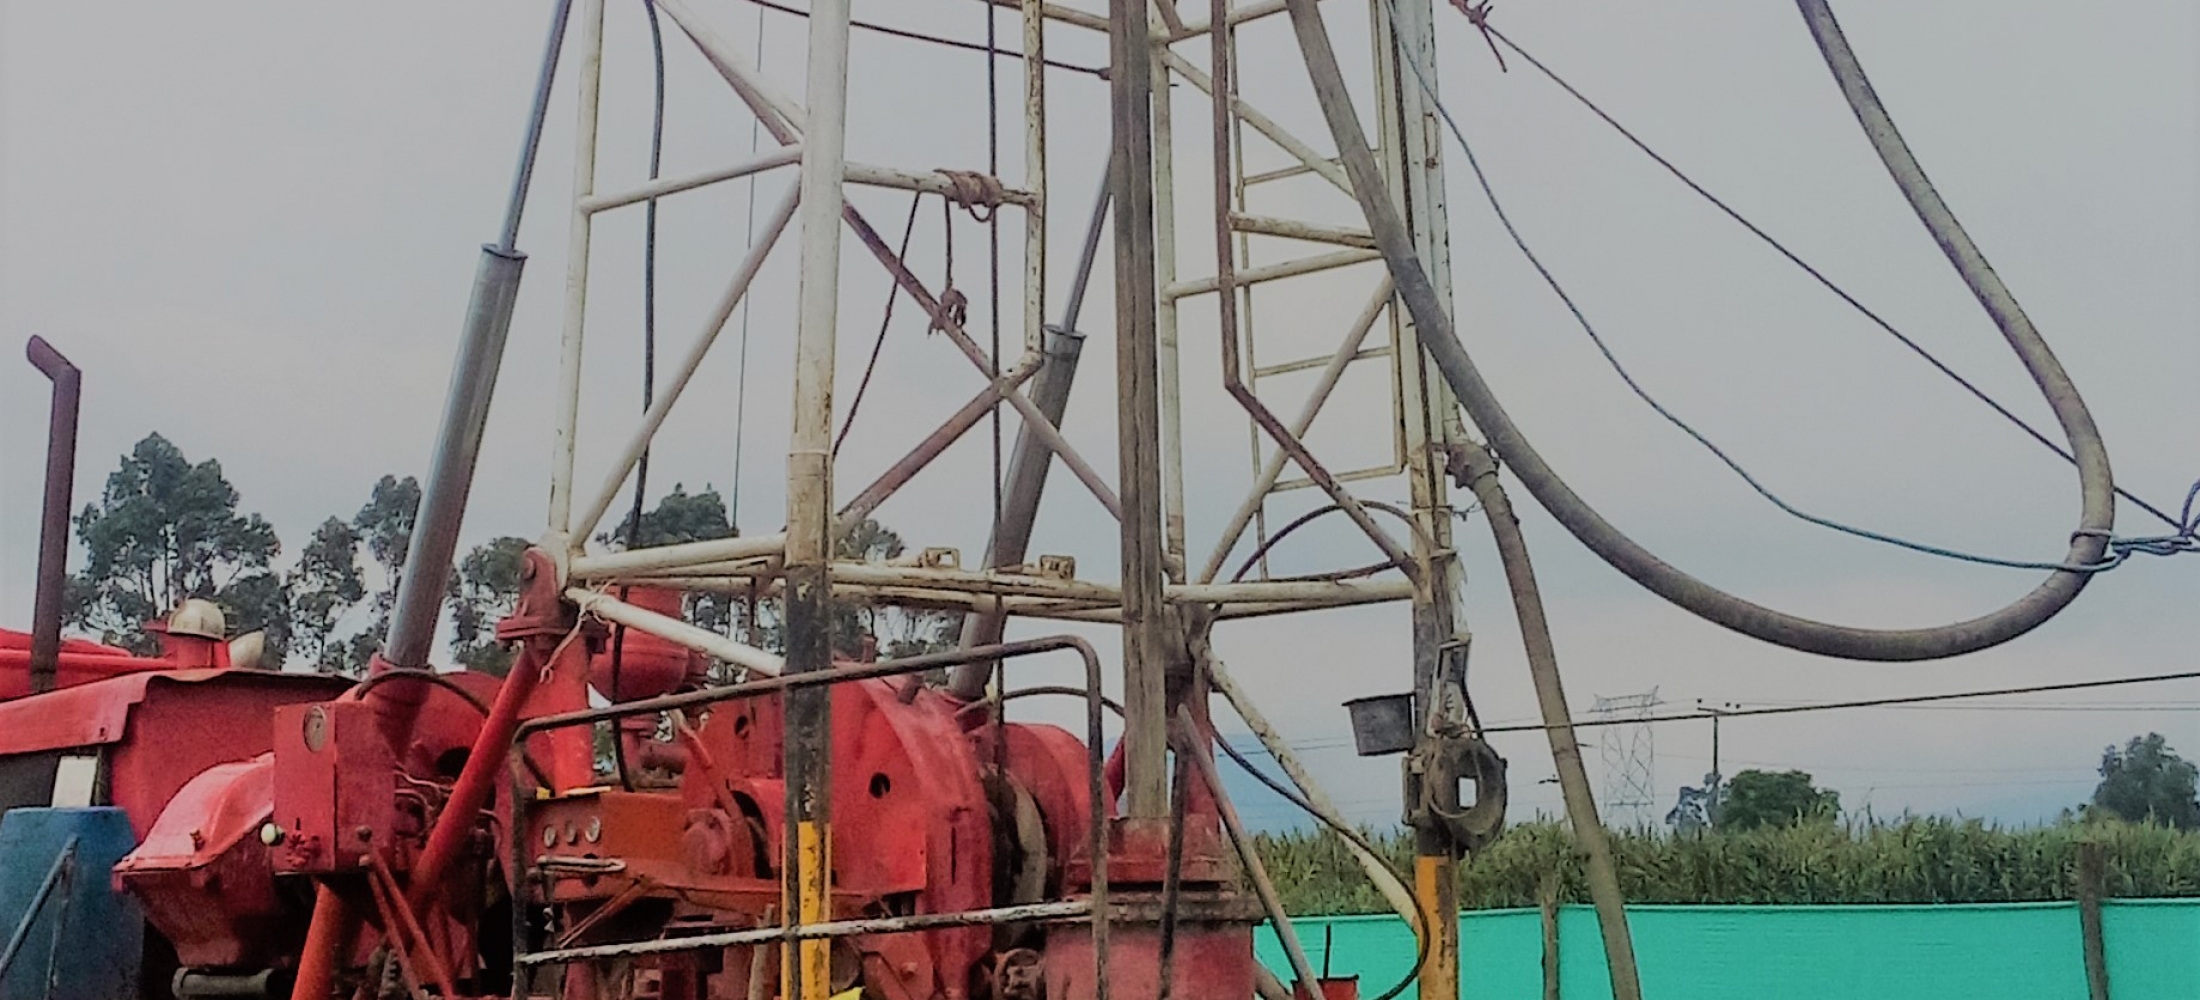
1630,754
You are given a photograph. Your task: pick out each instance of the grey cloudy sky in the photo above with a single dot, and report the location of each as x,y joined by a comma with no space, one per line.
253,225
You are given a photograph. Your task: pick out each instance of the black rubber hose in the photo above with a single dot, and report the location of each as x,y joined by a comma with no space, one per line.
1439,338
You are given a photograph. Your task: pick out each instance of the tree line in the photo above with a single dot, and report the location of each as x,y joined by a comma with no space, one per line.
2144,780
166,529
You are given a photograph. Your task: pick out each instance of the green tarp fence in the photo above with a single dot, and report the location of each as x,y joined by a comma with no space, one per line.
2009,951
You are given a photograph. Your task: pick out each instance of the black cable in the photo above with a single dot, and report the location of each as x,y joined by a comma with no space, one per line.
1439,336
1357,839
741,378
1309,517
893,292
649,270
1807,268
1596,339
424,676
649,358
1094,71
1902,701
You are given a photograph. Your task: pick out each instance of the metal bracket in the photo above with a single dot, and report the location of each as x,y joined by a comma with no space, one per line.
1434,772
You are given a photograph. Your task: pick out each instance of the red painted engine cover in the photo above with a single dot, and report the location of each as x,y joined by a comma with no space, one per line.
203,875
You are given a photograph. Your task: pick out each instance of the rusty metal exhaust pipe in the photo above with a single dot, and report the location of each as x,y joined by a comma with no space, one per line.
53,526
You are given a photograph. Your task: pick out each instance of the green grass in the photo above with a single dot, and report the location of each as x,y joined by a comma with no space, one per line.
1915,860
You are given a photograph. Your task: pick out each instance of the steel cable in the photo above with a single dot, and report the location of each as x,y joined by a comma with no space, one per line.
1769,240
2119,548
1439,338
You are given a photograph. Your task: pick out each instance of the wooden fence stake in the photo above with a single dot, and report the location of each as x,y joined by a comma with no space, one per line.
1547,898
2091,875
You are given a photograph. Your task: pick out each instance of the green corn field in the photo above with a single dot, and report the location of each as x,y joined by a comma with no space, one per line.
1912,860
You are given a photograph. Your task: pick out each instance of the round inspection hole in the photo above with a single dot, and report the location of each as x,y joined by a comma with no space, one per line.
740,725
880,785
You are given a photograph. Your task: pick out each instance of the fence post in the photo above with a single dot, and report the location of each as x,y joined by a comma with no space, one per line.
1547,899
2091,872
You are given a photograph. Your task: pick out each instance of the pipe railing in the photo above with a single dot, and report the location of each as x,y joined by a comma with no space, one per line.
1030,913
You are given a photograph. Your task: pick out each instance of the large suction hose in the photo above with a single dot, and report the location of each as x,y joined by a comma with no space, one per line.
1439,337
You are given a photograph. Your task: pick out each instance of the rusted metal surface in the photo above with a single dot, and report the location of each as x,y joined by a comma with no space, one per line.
1294,229
53,522
401,926
1332,374
572,337
1325,167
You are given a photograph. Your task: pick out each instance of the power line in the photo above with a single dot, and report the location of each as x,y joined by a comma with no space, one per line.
1247,743
1914,699
2040,783
2090,706
1895,769
2048,708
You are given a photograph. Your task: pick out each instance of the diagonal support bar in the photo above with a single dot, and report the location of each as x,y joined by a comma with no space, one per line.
1347,352
661,407
1328,169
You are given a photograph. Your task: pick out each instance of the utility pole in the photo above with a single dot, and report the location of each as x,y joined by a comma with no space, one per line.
1717,776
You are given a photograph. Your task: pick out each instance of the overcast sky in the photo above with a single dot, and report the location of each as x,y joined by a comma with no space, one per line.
254,225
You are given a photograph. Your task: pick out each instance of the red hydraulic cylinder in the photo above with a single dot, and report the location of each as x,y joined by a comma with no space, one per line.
475,783
325,940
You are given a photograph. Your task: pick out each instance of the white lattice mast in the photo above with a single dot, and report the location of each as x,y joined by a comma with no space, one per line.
939,581
1261,248
1628,746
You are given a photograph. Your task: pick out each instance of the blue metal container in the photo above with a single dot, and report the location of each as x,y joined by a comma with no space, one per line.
69,935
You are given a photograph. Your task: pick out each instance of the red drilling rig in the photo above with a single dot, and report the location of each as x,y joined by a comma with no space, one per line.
788,825
192,826
814,829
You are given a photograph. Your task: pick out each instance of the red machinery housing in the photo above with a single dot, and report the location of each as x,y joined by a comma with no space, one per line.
370,840
930,825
